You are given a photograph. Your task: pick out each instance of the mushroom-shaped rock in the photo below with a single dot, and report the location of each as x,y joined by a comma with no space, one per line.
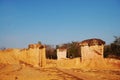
92,52
90,42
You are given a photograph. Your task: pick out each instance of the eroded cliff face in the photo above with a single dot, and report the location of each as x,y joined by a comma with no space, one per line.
61,54
9,56
92,51
33,55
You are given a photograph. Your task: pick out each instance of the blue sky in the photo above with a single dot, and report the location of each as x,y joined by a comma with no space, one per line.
57,21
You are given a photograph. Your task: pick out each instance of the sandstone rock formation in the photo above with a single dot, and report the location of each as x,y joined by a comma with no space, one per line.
61,53
34,55
92,53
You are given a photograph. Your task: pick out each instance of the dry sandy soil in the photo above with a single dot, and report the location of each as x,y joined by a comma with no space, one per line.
27,72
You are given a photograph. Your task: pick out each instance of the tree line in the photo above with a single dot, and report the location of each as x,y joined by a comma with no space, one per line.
113,50
73,50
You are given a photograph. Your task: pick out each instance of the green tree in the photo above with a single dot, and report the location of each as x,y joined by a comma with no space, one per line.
113,50
73,50
51,52
115,46
39,42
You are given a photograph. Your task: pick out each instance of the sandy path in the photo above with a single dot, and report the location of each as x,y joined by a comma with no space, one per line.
79,76
93,74
18,72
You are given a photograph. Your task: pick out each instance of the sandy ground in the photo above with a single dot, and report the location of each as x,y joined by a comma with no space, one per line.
17,72
16,67
27,72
